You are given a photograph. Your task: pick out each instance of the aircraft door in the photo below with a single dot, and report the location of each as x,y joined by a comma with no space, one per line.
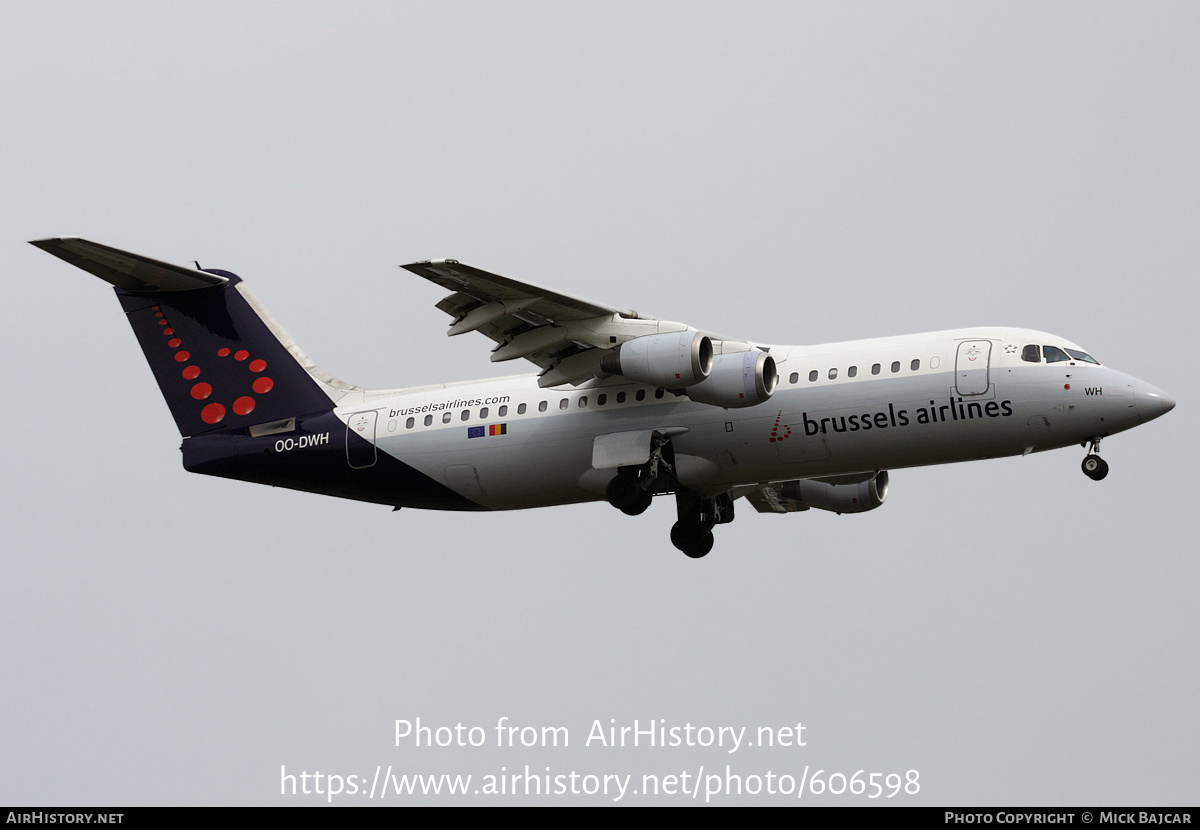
971,367
360,439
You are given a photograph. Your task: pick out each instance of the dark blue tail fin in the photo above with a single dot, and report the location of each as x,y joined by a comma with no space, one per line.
221,361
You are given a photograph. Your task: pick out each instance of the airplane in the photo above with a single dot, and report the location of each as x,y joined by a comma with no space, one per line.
623,409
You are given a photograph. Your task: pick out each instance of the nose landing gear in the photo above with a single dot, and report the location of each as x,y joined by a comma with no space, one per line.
1094,467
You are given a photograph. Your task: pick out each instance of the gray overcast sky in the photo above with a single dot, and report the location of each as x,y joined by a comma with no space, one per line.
784,172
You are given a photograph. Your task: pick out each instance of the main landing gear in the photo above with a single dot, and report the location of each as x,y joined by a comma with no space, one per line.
1095,467
692,534
627,494
633,488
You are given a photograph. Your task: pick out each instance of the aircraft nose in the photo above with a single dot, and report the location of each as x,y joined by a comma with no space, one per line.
1152,402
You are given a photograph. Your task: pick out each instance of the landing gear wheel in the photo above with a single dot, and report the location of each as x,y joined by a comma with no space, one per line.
625,494
693,538
1095,467
638,507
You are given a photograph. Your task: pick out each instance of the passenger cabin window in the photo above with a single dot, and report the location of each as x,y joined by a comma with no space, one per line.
875,369
483,413
641,395
833,374
428,420
1054,354
542,406
1032,353
410,423
852,371
520,409
915,365
446,418
812,376
795,376
502,411
895,366
583,402
564,403
601,400
620,397
466,414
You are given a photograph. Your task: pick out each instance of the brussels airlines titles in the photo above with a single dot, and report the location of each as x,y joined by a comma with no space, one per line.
899,417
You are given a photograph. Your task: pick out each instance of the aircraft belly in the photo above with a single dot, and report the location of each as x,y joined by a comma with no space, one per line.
727,447
535,463
317,455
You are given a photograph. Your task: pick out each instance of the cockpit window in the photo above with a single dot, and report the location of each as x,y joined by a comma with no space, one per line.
1032,353
1054,354
1084,356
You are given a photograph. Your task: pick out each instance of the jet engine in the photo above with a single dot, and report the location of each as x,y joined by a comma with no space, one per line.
737,380
840,498
671,361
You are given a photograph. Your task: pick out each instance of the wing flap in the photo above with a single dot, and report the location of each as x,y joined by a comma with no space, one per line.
775,498
573,369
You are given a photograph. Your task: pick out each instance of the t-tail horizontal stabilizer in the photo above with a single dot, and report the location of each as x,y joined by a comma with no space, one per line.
220,359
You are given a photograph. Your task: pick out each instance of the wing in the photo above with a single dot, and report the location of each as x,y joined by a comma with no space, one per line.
564,336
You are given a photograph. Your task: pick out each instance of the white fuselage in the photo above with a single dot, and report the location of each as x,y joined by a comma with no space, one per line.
839,409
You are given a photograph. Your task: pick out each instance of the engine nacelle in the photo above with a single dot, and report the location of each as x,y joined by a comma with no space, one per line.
672,361
737,380
840,498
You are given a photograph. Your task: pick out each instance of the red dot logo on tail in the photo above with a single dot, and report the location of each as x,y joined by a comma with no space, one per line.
215,412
